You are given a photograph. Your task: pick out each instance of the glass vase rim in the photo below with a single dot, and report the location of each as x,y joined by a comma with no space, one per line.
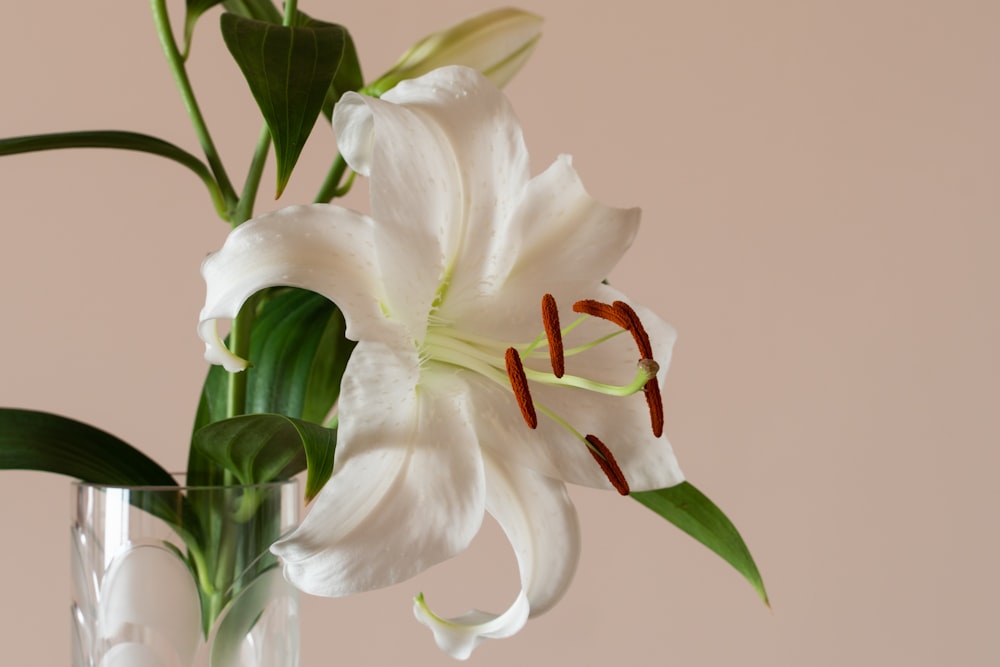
181,486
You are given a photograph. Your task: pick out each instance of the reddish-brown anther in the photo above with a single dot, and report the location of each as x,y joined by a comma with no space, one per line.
609,466
634,326
599,309
519,384
652,389
550,319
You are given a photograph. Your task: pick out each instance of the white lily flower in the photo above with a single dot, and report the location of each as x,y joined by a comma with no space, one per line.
463,395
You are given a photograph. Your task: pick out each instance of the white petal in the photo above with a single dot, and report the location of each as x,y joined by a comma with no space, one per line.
489,158
447,164
326,249
459,636
150,596
414,198
559,240
407,490
622,423
539,519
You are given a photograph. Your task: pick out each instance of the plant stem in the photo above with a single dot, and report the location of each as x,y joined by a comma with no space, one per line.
244,209
291,9
239,334
175,60
331,186
239,344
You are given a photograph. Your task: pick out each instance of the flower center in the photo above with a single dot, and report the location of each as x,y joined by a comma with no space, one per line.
502,363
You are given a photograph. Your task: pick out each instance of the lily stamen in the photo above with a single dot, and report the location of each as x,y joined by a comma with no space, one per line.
653,398
634,326
624,315
609,466
645,370
600,309
550,320
519,385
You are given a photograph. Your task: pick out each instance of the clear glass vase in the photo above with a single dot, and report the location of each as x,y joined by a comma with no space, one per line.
182,576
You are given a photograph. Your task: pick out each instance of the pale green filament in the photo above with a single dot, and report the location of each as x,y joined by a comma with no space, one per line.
641,378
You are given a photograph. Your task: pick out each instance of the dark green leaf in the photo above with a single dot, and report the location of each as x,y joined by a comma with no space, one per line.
199,7
348,77
260,10
265,448
290,71
32,440
690,510
132,141
201,471
297,354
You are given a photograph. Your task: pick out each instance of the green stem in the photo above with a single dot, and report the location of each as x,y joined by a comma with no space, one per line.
175,59
244,209
291,9
239,344
239,333
331,186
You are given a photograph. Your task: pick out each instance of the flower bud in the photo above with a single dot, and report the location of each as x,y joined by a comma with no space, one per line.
496,43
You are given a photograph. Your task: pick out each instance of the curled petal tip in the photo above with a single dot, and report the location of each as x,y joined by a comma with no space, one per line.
459,636
216,351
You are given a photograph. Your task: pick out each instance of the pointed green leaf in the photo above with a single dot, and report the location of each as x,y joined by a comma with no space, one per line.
290,71
132,141
265,448
348,77
199,7
32,440
193,11
690,510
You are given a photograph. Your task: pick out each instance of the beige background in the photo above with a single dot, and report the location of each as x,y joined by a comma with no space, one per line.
819,184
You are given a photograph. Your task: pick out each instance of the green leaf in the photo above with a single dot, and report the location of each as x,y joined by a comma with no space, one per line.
348,77
265,448
690,510
290,71
32,440
132,141
211,408
260,10
297,354
193,11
